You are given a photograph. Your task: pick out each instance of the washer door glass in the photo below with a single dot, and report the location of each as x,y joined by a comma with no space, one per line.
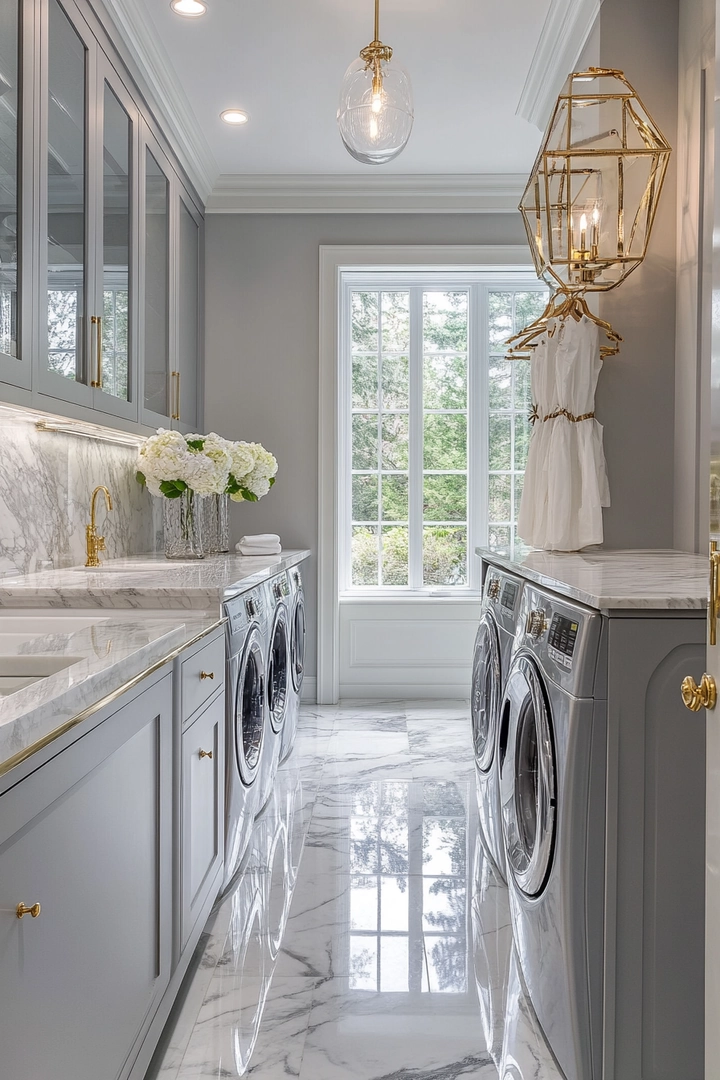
297,648
485,693
250,709
528,780
278,669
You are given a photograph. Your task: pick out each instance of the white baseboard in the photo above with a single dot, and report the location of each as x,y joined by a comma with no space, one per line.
309,690
405,691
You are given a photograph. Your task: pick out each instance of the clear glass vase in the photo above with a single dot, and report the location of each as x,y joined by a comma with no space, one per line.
182,520
216,531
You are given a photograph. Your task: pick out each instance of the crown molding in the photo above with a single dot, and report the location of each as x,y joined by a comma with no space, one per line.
153,71
567,27
389,194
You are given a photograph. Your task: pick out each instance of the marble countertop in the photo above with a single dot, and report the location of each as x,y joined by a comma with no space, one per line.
615,580
146,581
106,653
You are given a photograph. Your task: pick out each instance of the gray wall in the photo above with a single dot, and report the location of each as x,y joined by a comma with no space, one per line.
262,343
636,393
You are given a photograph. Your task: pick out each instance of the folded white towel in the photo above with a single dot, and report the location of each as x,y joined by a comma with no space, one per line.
262,540
243,549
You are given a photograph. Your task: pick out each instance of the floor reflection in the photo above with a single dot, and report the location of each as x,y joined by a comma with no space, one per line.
367,937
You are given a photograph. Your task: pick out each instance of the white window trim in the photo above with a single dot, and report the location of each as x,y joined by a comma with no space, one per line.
334,261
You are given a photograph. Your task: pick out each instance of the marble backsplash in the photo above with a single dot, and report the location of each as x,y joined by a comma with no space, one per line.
46,479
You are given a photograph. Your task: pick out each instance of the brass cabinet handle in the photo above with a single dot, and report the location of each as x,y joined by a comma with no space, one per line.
96,320
699,697
21,910
206,753
714,601
207,674
176,410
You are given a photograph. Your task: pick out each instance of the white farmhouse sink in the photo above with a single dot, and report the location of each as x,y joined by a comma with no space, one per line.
17,672
24,627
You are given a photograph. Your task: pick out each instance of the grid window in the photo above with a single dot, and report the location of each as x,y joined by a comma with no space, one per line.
437,426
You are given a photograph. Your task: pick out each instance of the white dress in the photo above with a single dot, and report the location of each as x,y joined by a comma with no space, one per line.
566,482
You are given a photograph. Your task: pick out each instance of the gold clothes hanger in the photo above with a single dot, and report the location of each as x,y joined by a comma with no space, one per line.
561,306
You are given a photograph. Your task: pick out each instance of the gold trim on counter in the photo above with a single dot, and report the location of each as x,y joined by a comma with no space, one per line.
67,725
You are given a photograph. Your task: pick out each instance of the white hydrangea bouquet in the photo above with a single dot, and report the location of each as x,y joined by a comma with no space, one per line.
178,467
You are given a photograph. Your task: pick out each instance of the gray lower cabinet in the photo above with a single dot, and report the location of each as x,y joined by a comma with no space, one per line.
201,815
88,836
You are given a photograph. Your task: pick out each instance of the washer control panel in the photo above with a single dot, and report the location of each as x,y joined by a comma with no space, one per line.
508,596
561,640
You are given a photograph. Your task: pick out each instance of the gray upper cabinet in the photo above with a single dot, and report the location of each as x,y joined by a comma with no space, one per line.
99,268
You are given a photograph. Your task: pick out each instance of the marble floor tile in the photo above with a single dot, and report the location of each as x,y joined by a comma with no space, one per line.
366,938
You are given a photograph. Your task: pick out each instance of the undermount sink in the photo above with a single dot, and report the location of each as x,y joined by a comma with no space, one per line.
17,672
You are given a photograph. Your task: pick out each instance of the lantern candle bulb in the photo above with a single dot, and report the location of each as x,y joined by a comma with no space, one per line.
583,235
595,233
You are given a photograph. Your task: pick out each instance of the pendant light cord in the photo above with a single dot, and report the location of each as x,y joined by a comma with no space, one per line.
377,20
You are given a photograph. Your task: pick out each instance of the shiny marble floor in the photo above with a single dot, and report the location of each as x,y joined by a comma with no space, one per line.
368,937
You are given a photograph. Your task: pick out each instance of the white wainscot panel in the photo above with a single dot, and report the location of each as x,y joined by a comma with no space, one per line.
407,648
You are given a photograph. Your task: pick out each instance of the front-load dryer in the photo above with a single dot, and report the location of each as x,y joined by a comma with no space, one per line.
246,721
297,660
491,661
278,680
552,777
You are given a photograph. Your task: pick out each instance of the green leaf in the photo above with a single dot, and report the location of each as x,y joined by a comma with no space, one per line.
196,444
249,495
272,481
232,486
173,489
140,477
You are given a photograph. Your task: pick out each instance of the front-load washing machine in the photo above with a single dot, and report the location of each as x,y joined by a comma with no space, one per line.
297,660
552,778
491,661
246,721
278,680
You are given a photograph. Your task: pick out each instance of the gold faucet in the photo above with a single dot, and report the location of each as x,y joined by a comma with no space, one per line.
94,543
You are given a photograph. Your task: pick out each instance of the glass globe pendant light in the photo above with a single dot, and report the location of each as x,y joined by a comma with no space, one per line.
375,114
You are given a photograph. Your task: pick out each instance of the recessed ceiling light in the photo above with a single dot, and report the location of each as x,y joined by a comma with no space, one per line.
234,116
189,8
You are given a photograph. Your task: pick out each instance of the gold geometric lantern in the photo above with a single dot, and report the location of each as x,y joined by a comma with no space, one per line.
591,198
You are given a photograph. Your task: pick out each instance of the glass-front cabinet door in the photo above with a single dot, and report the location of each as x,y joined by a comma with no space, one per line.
87,309
189,269
15,226
160,392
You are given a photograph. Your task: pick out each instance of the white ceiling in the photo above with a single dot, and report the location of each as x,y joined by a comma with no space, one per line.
283,61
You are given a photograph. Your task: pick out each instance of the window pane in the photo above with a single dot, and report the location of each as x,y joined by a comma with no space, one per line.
395,386
363,963
444,904
66,196
365,382
519,481
395,441
445,382
499,498
523,390
500,383
394,903
528,307
363,845
445,321
395,322
445,443
365,498
500,318
445,972
500,442
395,498
394,965
363,903
523,431
364,556
117,140
444,846
364,322
156,286
189,310
444,556
395,555
445,498
364,441
394,844
9,168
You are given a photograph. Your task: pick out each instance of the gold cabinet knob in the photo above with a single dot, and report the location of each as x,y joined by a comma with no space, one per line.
699,697
207,674
21,910
206,753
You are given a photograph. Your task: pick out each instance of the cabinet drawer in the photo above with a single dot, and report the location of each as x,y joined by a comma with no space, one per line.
200,676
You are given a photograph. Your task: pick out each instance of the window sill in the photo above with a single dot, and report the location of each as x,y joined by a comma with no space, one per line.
467,596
